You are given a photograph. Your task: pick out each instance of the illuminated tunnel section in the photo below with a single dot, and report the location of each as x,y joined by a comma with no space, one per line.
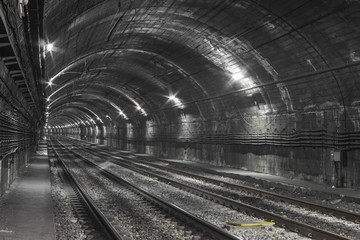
266,86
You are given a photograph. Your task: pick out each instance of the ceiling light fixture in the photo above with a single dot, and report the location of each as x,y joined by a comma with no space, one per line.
141,110
238,76
172,98
49,47
123,114
176,101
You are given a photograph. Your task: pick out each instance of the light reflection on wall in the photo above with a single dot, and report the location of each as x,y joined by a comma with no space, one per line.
91,130
130,130
224,57
150,130
105,132
239,76
186,126
96,131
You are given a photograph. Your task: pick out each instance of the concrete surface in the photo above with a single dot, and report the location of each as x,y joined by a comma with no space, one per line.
347,192
27,210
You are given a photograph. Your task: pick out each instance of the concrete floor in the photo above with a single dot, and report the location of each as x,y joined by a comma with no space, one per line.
27,210
347,192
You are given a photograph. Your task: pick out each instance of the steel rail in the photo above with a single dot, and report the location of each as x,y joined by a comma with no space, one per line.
106,227
307,204
206,228
298,227
289,224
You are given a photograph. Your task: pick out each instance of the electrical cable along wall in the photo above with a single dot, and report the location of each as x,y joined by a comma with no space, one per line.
17,141
21,93
16,133
267,86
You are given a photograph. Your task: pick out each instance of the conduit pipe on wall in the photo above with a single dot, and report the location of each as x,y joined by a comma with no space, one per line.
318,138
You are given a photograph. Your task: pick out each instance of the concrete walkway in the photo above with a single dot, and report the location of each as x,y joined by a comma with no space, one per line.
348,192
27,211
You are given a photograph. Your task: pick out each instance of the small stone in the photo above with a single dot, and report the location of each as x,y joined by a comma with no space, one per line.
336,201
227,227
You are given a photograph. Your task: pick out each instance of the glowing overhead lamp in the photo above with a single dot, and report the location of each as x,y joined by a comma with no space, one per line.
49,47
176,101
123,114
141,110
99,119
173,98
238,76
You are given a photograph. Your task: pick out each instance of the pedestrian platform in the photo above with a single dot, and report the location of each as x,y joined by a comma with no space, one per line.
310,186
329,191
347,192
350,193
26,210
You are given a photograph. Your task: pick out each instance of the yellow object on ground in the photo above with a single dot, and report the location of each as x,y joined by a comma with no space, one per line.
251,224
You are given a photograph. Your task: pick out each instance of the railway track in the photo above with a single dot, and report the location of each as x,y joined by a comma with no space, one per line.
186,220
89,215
291,225
345,215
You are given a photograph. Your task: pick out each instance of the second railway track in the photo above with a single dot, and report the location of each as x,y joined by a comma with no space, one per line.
292,225
155,218
92,220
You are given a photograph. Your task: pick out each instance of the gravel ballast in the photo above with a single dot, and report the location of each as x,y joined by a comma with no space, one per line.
205,209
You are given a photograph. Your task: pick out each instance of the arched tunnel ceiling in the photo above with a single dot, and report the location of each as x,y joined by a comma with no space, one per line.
122,60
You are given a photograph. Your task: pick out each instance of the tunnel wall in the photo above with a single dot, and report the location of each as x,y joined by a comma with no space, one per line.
17,140
294,145
21,96
270,87
17,143
299,146
12,166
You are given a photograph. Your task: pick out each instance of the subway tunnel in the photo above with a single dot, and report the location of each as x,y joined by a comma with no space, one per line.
266,92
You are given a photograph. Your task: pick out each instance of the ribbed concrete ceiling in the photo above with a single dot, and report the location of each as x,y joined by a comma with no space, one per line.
122,60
